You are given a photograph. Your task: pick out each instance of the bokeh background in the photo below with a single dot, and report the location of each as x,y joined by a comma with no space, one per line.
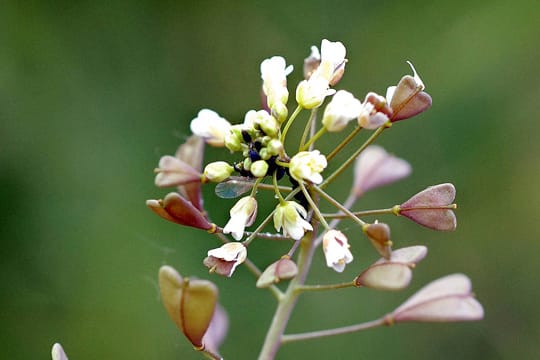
92,93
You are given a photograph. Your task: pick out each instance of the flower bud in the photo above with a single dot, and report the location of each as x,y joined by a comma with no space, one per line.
274,76
265,155
178,210
233,140
283,269
269,124
243,214
275,147
432,207
58,353
408,99
217,171
259,168
226,258
210,126
447,299
280,112
336,250
379,235
172,171
375,167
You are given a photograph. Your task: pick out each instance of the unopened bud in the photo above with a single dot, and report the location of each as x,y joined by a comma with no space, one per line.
217,171
259,168
275,147
269,125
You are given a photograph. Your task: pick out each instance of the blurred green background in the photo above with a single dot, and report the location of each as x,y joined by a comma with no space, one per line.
92,93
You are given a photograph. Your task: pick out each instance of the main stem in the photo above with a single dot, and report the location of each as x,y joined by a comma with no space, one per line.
287,302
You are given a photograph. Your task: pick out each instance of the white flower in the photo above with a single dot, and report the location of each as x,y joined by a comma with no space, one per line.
243,214
226,258
336,250
332,61
212,127
290,216
307,165
311,93
274,76
343,108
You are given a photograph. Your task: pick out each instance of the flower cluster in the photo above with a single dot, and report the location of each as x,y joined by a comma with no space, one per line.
296,176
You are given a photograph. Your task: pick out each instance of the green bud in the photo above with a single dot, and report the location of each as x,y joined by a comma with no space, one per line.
217,171
275,147
247,164
269,125
259,168
265,154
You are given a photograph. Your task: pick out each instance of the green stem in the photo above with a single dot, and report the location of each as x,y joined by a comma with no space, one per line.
276,189
289,123
306,288
268,236
210,355
287,302
343,143
308,127
314,206
255,186
388,211
314,138
331,332
394,210
352,158
337,204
